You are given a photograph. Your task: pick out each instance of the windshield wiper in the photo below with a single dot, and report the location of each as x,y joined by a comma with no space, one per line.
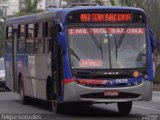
74,54
97,43
120,40
115,40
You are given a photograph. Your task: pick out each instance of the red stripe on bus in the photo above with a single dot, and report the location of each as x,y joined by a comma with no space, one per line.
85,81
66,81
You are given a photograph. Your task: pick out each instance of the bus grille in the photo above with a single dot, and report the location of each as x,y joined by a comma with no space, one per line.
111,86
101,96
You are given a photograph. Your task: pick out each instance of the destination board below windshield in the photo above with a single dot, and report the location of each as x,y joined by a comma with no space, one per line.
82,31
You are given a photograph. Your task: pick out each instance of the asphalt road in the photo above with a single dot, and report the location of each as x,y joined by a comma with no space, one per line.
10,105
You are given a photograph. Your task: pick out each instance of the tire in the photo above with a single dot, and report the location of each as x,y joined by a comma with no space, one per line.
57,107
6,88
124,107
23,98
84,104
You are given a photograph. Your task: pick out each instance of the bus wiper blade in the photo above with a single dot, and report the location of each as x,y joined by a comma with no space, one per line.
116,46
99,46
74,54
120,40
97,43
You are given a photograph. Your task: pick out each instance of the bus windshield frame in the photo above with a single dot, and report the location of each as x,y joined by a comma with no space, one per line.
87,64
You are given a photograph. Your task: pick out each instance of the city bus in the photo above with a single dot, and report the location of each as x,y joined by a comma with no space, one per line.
81,55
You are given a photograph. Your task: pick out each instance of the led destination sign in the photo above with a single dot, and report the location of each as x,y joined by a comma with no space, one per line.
109,17
105,17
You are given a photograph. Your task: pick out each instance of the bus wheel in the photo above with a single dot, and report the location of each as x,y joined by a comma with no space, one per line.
23,98
124,107
57,107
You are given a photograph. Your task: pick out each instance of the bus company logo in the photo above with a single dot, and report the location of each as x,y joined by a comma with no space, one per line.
79,31
105,82
121,81
126,30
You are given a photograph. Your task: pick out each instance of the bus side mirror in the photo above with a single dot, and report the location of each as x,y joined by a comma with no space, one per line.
153,40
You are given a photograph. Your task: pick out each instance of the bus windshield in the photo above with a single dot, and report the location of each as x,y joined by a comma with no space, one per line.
107,48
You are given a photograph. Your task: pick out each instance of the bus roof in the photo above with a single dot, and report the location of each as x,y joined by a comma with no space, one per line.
62,12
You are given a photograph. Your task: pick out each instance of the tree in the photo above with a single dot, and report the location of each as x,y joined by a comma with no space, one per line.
30,7
112,2
100,2
137,3
152,8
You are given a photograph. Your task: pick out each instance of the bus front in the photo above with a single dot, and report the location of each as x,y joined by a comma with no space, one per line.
110,57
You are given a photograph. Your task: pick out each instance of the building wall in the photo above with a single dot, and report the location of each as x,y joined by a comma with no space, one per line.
52,3
4,4
13,7
42,4
21,4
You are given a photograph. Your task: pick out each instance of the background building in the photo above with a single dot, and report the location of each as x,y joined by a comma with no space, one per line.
42,4
4,4
21,4
14,6
11,6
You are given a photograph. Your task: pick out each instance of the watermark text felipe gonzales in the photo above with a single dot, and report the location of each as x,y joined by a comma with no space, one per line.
20,117
150,117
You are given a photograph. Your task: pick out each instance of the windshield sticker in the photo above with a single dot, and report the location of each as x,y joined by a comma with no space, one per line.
79,31
126,30
90,63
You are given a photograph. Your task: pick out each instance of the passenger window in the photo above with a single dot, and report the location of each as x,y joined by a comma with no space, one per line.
21,40
22,31
9,39
39,41
48,34
10,33
39,29
30,39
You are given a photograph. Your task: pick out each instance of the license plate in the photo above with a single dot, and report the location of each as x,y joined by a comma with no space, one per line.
111,93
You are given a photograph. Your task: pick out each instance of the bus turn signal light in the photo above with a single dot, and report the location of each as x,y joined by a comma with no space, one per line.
135,74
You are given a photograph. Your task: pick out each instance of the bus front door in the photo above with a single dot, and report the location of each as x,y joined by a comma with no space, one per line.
57,63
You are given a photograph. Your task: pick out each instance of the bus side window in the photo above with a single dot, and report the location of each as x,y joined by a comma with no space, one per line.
39,41
9,39
48,35
30,39
21,39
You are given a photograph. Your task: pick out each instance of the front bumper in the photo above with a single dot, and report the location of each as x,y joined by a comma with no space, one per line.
74,92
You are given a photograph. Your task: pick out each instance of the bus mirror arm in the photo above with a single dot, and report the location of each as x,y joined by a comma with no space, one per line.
153,40
61,41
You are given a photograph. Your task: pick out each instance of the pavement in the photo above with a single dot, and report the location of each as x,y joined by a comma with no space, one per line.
156,87
10,105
